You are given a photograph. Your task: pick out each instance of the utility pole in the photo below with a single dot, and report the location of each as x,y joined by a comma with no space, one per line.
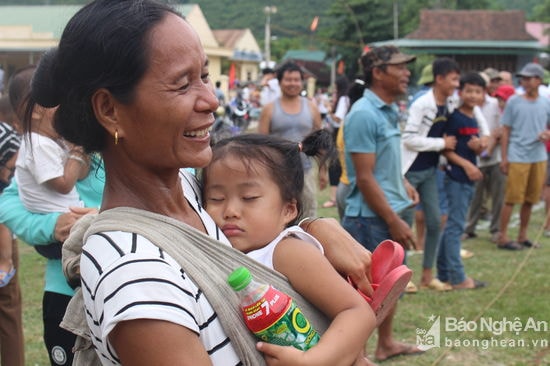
268,10
395,20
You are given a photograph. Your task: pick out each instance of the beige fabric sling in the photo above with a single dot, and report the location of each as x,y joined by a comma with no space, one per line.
207,261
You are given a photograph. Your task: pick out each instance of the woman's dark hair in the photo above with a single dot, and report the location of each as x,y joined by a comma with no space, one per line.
342,85
280,157
104,45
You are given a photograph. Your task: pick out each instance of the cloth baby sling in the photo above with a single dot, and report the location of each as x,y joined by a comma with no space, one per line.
207,261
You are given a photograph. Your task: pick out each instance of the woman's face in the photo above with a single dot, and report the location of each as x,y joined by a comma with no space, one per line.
166,125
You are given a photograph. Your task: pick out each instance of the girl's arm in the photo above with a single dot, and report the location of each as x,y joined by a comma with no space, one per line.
76,167
310,273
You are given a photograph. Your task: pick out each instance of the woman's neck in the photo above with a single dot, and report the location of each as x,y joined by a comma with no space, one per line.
134,186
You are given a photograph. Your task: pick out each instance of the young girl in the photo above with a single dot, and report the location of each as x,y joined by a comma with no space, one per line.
252,190
47,166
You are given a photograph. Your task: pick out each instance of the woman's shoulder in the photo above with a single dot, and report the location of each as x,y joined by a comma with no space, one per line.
105,249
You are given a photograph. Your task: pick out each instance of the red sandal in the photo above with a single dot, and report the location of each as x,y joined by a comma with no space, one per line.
389,278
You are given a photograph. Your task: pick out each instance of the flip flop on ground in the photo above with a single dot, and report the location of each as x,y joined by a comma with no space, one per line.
5,277
465,254
476,284
437,285
528,244
510,245
411,288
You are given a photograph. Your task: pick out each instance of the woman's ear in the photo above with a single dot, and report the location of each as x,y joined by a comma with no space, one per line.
290,211
105,109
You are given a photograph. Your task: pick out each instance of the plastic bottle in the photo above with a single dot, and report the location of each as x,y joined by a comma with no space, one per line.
271,314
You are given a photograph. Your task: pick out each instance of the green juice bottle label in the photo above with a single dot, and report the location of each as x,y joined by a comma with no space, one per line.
276,319
271,314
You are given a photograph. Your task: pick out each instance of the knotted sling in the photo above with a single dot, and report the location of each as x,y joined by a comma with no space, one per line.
207,261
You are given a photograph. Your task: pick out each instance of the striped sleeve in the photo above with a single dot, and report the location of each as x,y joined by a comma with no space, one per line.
126,277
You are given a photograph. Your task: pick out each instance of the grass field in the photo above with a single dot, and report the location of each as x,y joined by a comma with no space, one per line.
518,294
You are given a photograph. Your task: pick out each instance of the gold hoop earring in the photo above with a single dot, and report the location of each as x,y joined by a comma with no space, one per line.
116,137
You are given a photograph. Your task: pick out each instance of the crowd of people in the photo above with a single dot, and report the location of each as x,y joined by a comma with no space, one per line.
454,194
96,143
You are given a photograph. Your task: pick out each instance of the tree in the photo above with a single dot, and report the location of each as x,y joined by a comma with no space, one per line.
541,12
360,22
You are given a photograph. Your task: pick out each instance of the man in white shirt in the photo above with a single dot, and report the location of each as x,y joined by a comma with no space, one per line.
270,87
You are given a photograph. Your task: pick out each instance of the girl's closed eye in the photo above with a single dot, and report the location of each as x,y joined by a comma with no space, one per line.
250,197
214,198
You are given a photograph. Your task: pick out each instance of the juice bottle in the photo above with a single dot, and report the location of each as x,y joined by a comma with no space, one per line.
271,314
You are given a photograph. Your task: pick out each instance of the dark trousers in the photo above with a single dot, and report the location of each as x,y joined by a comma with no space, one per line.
12,349
59,342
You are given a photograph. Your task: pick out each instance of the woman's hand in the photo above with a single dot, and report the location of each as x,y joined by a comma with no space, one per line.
345,254
66,221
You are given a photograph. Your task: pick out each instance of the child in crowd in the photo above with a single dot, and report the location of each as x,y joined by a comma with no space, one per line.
9,145
47,166
252,190
462,172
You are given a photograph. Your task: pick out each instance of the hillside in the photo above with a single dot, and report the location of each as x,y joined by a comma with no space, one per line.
292,17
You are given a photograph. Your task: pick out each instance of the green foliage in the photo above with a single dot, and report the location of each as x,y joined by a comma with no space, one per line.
528,6
541,11
344,25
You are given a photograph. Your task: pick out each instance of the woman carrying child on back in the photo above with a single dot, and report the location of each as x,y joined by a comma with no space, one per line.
47,167
252,189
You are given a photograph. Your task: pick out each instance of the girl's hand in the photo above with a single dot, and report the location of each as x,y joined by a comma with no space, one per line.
275,355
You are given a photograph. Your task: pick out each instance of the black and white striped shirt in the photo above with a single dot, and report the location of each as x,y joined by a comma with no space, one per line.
125,276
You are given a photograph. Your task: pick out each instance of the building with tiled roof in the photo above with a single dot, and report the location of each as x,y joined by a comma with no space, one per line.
477,39
26,32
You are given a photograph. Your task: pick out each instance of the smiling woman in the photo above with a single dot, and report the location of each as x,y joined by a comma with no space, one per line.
130,79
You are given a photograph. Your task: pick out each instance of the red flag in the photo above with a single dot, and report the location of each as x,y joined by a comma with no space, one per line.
232,76
341,67
314,23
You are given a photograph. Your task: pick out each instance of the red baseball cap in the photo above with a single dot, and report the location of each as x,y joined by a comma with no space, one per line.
505,92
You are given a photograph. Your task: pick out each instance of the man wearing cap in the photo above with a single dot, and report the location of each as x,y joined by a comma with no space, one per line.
380,200
525,120
425,82
494,80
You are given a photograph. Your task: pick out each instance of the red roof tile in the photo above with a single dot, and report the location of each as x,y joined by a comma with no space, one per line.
478,25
